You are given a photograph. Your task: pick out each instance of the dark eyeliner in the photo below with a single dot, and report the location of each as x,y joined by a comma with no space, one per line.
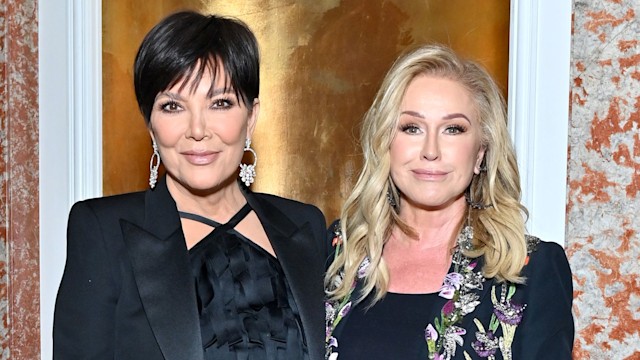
163,106
458,129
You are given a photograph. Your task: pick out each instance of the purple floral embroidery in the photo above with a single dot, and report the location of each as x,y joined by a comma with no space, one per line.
362,269
509,312
452,282
332,341
448,308
345,310
507,315
444,336
430,333
486,345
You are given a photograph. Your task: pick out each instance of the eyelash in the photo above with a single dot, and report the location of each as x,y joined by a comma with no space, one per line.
164,106
457,129
223,103
451,129
220,103
406,127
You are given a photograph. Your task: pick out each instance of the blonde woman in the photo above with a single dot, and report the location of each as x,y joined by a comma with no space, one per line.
431,258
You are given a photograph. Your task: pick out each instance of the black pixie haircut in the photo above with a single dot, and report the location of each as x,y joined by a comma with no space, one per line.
186,44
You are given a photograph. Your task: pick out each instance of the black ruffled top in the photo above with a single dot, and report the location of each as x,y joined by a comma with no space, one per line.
246,307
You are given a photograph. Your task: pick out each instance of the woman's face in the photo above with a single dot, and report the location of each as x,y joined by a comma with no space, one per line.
201,135
437,148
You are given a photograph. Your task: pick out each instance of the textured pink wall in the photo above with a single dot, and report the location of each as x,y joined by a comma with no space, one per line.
19,270
603,210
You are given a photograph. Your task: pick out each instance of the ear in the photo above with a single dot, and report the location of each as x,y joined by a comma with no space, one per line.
153,136
479,158
253,118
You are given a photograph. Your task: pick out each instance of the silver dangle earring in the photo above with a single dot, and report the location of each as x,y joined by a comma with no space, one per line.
248,171
154,164
465,238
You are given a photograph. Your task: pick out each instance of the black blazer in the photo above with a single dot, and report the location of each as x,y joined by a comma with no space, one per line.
546,330
127,291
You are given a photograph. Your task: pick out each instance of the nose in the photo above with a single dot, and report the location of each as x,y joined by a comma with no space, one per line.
430,148
197,126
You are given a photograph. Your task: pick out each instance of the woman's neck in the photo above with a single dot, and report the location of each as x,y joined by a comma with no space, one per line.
433,228
219,205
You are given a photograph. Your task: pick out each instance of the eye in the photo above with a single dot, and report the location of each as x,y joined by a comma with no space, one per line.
455,129
170,107
411,129
222,103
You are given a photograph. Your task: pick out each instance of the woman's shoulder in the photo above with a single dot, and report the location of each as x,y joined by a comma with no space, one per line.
542,252
287,204
546,261
112,204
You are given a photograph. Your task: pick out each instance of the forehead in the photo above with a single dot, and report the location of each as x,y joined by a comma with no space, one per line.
432,94
210,77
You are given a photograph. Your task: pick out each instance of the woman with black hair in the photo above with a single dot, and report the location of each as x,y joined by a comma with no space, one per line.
198,266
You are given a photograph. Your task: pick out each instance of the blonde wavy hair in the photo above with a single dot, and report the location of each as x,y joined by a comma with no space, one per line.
367,217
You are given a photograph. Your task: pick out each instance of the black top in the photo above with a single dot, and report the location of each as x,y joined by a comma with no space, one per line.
246,307
395,325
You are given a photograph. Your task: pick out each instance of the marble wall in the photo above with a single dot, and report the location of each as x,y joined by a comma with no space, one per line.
19,269
603,209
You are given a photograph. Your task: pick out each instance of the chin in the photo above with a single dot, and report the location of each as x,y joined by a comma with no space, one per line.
432,203
203,184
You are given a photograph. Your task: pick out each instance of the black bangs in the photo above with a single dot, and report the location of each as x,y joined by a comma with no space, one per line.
183,46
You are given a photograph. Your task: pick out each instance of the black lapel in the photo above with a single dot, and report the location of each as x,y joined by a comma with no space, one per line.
160,262
302,266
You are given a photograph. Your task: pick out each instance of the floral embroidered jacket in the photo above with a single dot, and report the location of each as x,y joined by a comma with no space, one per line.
490,321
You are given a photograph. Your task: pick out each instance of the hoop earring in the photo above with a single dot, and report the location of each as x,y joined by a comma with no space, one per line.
154,165
248,171
474,204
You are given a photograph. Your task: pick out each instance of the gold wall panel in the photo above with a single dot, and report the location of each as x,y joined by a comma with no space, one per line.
126,146
322,62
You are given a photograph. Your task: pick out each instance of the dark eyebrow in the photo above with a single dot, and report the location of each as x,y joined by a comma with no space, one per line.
215,92
446,117
220,91
172,95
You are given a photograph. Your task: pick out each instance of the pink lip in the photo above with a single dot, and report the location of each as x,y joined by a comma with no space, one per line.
429,174
196,157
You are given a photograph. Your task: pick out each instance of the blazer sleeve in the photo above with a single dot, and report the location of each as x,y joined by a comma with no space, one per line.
85,306
547,328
